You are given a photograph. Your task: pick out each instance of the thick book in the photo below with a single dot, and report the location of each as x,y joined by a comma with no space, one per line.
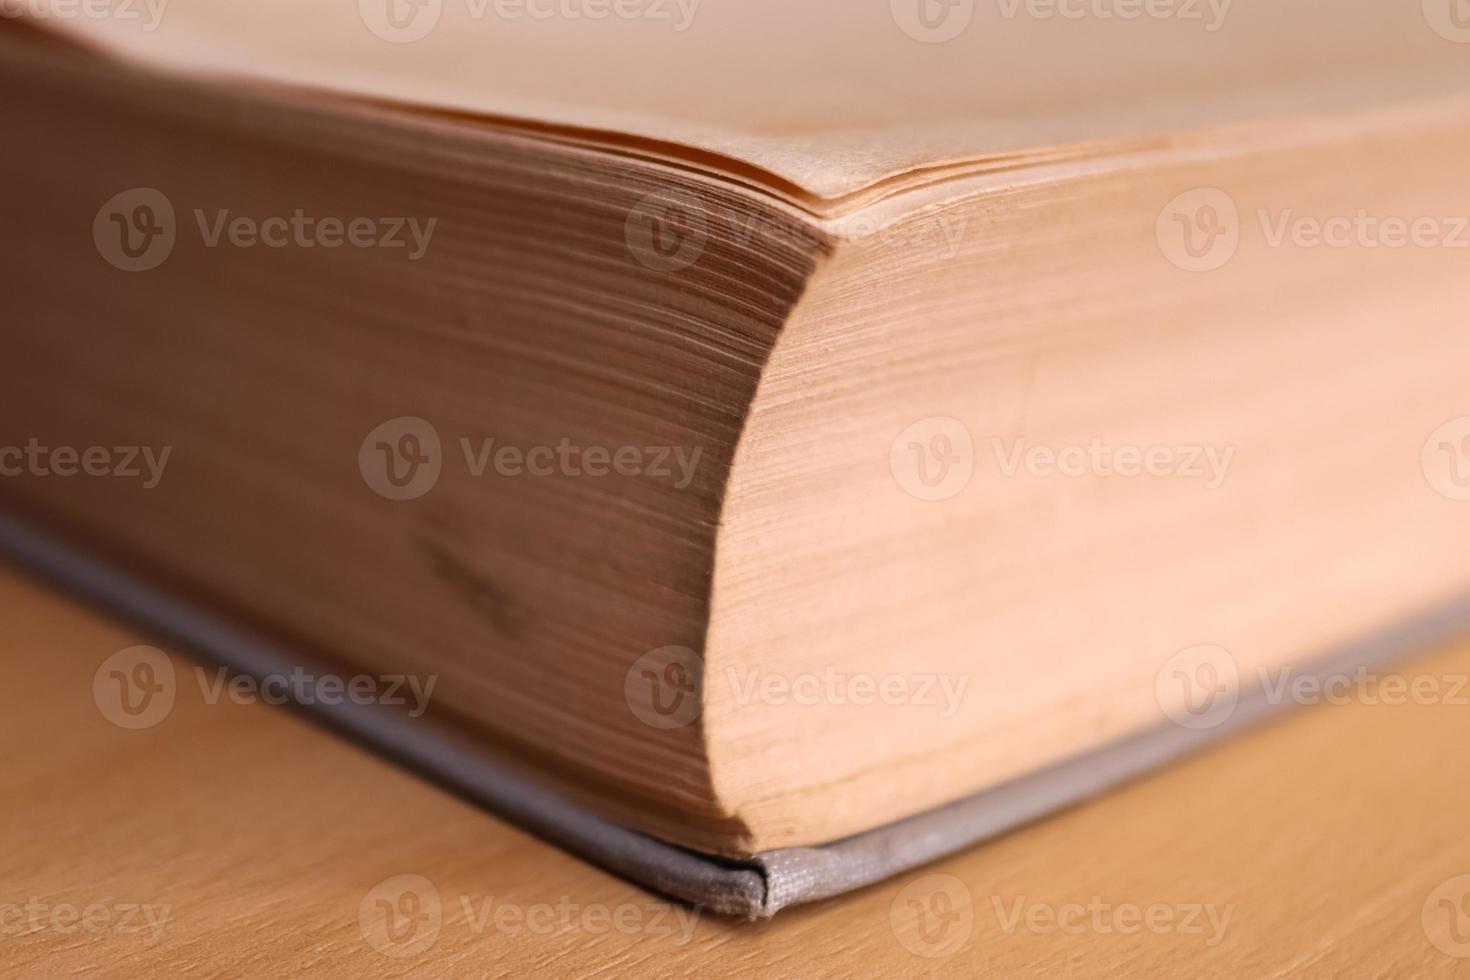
782,444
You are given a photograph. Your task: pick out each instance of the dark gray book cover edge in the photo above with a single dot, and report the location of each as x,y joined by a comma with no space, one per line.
756,887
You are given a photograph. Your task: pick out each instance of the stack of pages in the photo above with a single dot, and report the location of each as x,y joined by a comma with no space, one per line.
765,446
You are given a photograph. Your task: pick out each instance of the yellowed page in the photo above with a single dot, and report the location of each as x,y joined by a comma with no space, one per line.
829,95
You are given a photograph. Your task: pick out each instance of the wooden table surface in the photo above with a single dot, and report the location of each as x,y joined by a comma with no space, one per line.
226,839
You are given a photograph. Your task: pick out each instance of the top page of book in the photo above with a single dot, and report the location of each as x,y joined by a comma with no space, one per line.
828,97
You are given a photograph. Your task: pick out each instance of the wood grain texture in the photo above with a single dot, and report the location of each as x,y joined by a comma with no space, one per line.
261,847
